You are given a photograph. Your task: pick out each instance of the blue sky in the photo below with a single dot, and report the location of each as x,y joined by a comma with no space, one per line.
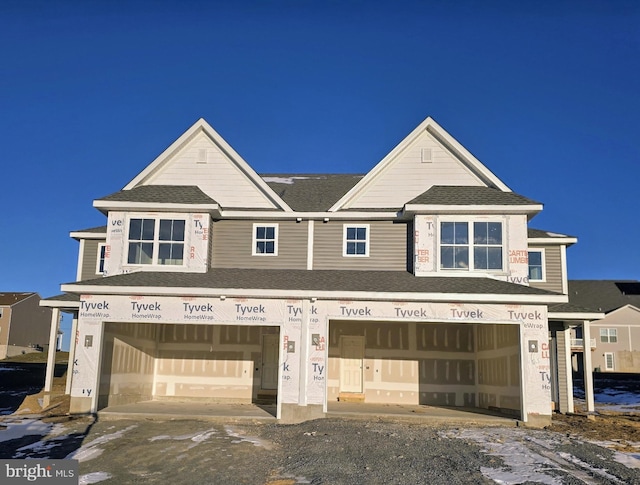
546,94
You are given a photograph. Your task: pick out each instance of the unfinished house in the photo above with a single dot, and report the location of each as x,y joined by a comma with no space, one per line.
24,324
419,282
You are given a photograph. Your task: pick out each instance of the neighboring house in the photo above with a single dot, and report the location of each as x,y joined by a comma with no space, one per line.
416,283
615,339
24,324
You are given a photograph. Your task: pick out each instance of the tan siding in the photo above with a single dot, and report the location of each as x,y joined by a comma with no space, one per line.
553,269
90,259
232,246
388,247
408,176
217,176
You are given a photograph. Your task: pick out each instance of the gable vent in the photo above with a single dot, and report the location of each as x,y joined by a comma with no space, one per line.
425,155
202,155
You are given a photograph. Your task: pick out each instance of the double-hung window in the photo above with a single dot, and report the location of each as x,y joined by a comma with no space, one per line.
465,245
355,240
265,239
156,241
102,249
536,265
609,335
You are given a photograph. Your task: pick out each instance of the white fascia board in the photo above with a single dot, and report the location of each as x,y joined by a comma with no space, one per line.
553,240
206,128
154,207
239,214
302,294
580,316
473,209
77,235
429,125
60,304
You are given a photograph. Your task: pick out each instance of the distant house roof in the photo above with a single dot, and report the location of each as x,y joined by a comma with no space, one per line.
11,298
540,234
167,194
317,280
469,195
604,295
311,192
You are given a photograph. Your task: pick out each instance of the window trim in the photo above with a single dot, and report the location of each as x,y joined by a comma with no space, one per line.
156,241
542,264
613,361
608,333
101,258
367,240
470,269
254,239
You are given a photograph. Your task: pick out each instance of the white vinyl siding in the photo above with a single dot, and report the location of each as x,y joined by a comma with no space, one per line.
218,177
406,178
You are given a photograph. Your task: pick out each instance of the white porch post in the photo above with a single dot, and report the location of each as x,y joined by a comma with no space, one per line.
72,353
566,355
588,371
51,357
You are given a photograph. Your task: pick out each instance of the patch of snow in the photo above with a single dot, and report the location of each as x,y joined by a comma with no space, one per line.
94,477
594,470
197,438
90,450
240,438
284,180
24,427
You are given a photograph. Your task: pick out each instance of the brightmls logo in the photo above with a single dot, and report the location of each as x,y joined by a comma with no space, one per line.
54,472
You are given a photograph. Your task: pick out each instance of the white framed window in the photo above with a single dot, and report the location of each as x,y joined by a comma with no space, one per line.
1,312
609,335
102,249
156,241
536,265
265,239
465,245
355,240
609,363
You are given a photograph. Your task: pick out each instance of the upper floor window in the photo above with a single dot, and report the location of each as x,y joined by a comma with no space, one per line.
465,245
156,241
102,249
355,240
609,335
536,265
265,239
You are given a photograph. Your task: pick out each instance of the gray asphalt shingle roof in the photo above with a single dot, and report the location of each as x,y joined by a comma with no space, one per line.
604,295
469,195
162,194
318,280
311,192
539,233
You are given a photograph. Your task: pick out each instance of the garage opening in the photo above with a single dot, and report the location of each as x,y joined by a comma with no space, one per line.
440,364
207,363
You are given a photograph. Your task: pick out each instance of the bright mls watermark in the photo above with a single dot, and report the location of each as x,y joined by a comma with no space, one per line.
45,472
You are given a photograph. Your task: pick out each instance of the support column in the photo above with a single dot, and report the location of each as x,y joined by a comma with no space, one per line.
565,367
588,371
72,353
51,355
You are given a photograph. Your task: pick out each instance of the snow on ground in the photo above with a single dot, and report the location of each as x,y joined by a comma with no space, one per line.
197,438
529,457
95,477
89,451
24,427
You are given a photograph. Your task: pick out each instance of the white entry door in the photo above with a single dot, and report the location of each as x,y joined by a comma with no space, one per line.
270,345
351,357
